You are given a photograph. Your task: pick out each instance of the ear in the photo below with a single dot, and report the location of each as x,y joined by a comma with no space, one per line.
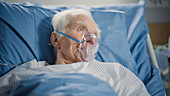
54,40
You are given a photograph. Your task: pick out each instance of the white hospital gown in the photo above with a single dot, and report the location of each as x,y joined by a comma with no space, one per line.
123,81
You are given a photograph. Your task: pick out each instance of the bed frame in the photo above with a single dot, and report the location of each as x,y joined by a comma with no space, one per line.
151,52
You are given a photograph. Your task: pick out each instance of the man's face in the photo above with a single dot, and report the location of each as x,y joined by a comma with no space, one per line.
69,47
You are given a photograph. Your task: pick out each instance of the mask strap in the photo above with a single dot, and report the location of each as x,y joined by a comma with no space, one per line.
69,37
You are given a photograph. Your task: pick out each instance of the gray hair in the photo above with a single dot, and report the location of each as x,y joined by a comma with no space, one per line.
61,19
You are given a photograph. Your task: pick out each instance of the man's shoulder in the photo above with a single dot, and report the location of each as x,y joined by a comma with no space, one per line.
112,67
34,63
108,63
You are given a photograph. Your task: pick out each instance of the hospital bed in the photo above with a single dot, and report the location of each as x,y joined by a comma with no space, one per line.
25,35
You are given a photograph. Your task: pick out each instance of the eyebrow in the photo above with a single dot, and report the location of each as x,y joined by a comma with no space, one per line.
81,24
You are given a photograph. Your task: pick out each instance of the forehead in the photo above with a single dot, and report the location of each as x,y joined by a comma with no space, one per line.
85,21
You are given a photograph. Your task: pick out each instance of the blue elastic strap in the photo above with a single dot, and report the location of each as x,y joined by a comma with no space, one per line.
69,37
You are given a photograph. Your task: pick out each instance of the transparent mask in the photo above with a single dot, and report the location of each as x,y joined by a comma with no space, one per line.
89,47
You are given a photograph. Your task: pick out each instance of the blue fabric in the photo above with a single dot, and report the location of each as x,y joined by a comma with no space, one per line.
65,84
162,58
154,85
113,40
24,35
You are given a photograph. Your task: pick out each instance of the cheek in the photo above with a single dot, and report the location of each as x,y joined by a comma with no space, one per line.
70,49
76,35
75,50
65,46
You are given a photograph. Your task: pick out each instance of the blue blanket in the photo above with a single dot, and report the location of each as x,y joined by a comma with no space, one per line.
65,84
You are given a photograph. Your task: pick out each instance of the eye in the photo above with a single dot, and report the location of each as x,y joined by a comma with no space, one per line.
80,29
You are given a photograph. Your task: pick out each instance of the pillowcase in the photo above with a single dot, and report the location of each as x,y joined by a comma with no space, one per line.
30,29
113,46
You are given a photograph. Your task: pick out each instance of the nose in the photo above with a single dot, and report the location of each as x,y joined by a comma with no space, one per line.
90,38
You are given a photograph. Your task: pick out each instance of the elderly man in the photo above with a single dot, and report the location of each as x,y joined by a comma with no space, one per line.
75,24
75,39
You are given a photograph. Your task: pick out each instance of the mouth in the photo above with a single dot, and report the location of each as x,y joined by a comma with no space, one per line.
90,42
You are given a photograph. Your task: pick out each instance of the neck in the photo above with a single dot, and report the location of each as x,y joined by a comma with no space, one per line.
60,59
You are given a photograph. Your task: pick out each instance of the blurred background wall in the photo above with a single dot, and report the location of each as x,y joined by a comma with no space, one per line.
158,18
76,2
